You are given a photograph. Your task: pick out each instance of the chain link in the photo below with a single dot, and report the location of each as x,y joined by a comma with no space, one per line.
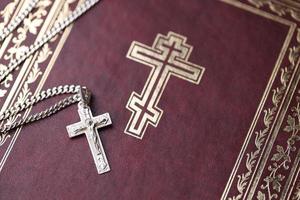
43,95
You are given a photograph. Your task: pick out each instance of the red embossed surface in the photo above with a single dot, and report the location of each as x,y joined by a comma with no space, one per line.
194,148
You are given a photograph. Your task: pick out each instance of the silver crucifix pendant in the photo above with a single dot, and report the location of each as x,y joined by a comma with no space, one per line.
88,126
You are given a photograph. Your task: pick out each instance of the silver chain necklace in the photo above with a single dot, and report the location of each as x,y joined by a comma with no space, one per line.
58,26
88,123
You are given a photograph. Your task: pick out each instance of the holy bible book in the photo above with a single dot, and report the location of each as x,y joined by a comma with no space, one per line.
203,98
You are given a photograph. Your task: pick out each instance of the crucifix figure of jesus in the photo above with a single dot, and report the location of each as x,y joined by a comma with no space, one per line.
88,126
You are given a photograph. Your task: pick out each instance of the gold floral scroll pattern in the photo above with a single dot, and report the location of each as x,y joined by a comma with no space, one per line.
7,12
30,25
35,72
296,195
280,7
282,158
269,113
25,92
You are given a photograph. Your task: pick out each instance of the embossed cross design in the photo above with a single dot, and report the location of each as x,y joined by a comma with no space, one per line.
89,126
167,56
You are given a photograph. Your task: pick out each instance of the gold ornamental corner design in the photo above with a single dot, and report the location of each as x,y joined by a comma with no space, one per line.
168,56
280,7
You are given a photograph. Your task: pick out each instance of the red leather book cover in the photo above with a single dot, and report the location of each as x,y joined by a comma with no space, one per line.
203,97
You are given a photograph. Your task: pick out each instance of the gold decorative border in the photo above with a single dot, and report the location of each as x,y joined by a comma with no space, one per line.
252,158
289,189
294,193
17,40
273,133
6,15
280,7
30,70
29,27
280,160
7,12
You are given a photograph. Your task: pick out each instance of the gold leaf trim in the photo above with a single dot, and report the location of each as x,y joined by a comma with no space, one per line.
30,25
269,113
282,157
296,195
280,7
7,12
35,72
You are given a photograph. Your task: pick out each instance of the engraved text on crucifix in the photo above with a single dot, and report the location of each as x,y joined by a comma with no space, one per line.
167,56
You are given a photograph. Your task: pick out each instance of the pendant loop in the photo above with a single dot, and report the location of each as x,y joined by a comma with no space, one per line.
85,96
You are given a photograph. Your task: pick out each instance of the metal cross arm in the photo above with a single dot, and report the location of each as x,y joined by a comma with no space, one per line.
80,128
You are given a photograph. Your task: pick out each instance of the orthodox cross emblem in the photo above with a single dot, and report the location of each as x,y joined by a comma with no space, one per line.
88,126
168,56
